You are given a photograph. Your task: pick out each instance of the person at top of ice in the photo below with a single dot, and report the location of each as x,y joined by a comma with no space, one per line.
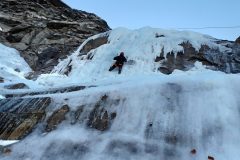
119,62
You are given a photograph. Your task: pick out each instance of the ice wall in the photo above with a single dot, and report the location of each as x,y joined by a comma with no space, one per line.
157,117
140,46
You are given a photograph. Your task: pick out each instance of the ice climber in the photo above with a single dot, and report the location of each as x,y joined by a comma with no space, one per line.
119,62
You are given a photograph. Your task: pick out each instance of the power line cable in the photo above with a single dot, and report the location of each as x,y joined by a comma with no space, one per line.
226,27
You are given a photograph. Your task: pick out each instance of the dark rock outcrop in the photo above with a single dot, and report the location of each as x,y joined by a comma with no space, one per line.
238,40
56,118
87,50
99,117
17,86
214,59
20,116
94,43
45,30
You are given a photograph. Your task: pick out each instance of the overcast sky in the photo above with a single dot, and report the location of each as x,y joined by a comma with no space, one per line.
169,14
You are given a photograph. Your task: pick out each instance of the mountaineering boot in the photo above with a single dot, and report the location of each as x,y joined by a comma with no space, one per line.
119,69
111,68
210,158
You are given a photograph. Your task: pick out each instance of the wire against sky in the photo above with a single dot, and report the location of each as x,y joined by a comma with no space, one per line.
213,17
226,27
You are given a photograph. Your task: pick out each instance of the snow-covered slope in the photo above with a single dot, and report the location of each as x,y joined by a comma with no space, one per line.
11,62
157,117
140,46
13,67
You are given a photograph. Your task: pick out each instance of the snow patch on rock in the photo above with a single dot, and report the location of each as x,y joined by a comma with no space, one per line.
12,62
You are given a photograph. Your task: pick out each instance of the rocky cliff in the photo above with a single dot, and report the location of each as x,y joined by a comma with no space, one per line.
45,30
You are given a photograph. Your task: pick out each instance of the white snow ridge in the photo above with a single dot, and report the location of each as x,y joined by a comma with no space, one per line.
141,46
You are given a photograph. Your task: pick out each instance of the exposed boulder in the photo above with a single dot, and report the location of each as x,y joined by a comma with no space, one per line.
19,116
17,86
25,126
86,50
45,30
56,118
94,43
99,117
184,60
212,58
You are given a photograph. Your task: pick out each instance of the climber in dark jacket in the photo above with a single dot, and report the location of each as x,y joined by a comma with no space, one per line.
119,62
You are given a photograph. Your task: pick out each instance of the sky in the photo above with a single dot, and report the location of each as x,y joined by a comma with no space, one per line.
168,14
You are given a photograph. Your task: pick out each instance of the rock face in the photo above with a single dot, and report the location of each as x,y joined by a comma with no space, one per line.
93,44
45,30
56,118
214,59
17,86
238,40
99,118
18,116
